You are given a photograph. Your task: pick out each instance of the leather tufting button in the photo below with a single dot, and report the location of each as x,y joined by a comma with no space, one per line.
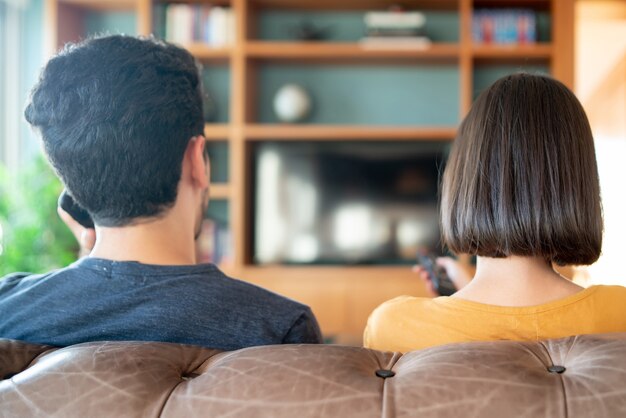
189,376
385,373
556,369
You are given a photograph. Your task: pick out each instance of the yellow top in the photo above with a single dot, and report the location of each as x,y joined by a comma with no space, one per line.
409,323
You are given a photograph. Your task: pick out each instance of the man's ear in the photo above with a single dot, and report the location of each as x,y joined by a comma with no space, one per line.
198,162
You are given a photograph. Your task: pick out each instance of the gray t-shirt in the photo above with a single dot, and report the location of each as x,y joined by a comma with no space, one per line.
96,299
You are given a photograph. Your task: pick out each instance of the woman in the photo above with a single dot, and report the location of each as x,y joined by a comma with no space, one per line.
520,191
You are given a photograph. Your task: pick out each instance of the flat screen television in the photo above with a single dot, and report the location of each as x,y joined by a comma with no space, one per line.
348,203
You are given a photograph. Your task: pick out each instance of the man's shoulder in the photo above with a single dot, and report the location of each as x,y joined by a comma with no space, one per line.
227,313
197,284
16,279
257,293
270,318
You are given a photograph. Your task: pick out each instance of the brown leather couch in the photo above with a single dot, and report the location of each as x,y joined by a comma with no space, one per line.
582,376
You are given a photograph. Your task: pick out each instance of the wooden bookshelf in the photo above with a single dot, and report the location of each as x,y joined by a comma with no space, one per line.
351,4
206,53
341,297
326,132
216,132
346,51
106,5
513,52
220,191
528,4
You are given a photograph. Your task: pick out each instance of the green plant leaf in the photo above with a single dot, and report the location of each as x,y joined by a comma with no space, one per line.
33,238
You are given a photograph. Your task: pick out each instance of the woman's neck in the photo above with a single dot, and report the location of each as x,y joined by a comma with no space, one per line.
516,281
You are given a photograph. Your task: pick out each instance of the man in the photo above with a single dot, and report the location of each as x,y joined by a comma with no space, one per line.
121,123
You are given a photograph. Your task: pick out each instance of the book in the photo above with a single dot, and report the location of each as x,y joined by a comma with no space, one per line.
176,24
504,26
187,23
395,29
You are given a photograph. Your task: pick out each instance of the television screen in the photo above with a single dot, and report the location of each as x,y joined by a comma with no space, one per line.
346,202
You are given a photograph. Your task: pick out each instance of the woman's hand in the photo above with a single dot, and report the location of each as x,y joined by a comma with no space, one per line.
86,237
459,276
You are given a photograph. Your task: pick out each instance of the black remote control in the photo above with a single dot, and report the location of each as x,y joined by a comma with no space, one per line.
80,215
441,282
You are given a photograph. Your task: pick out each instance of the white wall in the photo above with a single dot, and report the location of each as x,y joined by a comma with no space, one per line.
600,84
21,57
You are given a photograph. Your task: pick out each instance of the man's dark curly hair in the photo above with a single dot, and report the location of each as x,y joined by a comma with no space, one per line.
116,114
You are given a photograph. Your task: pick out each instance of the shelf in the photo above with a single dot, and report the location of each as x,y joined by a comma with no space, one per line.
205,52
506,4
346,51
220,191
512,51
107,5
219,132
329,273
342,132
354,4
213,2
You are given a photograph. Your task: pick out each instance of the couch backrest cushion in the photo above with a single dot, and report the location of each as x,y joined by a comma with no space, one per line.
511,379
491,379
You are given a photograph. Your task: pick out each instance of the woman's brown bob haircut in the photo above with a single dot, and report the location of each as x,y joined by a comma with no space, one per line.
522,177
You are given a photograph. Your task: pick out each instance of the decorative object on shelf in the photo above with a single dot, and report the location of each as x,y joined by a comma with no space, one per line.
292,103
395,28
186,23
504,26
307,31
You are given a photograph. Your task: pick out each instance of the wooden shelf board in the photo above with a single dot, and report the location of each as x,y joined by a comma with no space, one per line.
220,191
342,132
346,51
342,298
505,4
513,51
283,272
205,52
103,5
354,4
219,132
212,3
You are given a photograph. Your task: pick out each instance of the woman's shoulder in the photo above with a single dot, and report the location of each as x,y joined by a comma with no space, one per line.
610,288
402,304
603,311
610,293
392,319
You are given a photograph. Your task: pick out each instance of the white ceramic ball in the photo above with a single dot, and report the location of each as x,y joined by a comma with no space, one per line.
292,103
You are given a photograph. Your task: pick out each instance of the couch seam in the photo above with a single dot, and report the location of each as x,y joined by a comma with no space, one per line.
565,409
384,406
169,395
167,399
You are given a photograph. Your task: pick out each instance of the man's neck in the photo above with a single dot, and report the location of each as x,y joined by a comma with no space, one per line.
163,241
